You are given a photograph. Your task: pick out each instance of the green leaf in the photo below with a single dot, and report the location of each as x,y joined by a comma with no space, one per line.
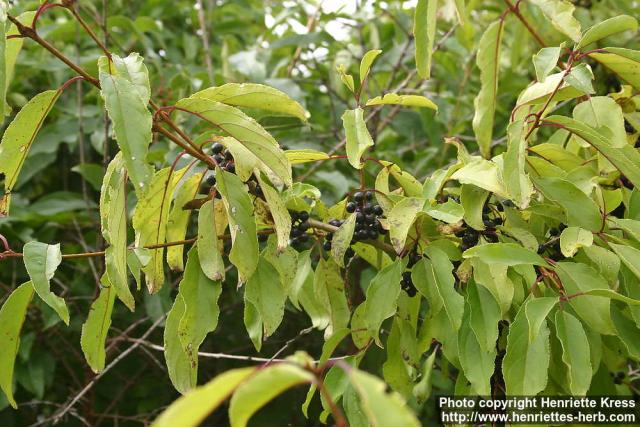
12,315
327,350
560,14
630,257
279,212
329,289
263,387
605,115
266,296
553,85
192,409
482,173
477,363
526,362
401,218
242,223
113,220
484,315
574,238
4,81
357,134
96,327
545,61
449,212
625,159
452,301
41,261
252,95
622,62
405,100
18,138
367,61
297,157
150,222
381,408
131,119
381,298
580,78
342,239
537,310
517,182
422,390
575,352
608,293
347,79
494,278
243,128
182,373
424,31
505,253
472,199
580,209
200,298
131,68
423,278
593,310
627,332
606,28
488,61
179,220
210,258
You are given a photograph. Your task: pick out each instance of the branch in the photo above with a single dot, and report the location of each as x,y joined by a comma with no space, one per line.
516,11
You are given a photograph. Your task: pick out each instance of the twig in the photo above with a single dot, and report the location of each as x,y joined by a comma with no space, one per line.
204,36
114,362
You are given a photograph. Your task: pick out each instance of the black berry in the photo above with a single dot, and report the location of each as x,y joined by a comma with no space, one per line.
217,148
351,207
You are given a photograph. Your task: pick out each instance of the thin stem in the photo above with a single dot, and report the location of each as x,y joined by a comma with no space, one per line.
88,29
516,11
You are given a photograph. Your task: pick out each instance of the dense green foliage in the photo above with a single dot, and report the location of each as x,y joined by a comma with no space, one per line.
372,204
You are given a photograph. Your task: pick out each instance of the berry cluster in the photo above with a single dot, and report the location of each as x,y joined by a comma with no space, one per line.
407,283
299,226
223,158
368,225
470,236
552,246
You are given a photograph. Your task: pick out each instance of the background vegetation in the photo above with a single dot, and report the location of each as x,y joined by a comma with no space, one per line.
294,46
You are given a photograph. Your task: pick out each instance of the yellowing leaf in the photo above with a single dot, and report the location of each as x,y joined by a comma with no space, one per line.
262,387
150,222
367,61
18,139
114,228
210,258
342,239
179,220
12,315
401,218
243,128
252,95
305,156
242,224
406,100
574,238
279,212
192,409
357,134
